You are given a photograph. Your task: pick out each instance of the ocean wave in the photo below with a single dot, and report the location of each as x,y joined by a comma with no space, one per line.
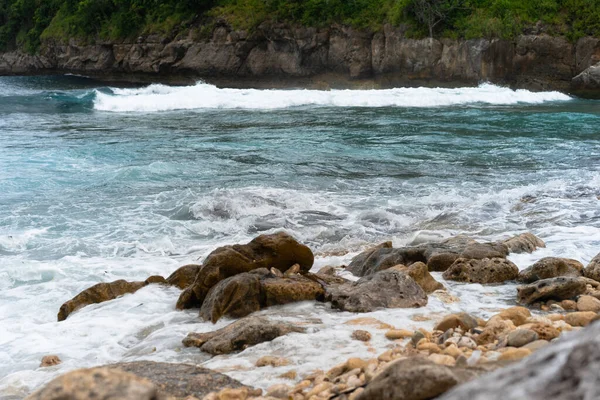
157,97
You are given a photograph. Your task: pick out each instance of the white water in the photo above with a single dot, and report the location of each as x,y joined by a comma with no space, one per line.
205,96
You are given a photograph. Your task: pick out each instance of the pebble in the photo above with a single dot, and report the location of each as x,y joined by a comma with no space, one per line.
442,359
49,361
272,361
416,337
452,351
395,334
467,342
279,391
581,318
292,375
538,344
521,337
513,354
321,387
361,335
354,363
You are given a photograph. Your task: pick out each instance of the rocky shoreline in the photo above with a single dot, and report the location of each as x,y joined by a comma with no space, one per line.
556,297
278,55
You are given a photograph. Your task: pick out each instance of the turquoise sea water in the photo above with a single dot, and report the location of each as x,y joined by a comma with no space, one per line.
100,183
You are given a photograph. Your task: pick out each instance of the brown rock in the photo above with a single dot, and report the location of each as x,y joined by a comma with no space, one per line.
462,320
592,270
419,272
551,267
495,329
270,361
513,354
582,318
524,243
49,361
494,270
385,289
184,276
536,345
545,331
588,303
102,292
279,251
521,337
568,305
561,288
362,336
395,334
240,335
369,321
518,315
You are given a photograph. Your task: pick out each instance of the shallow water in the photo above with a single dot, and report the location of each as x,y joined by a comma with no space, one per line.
100,183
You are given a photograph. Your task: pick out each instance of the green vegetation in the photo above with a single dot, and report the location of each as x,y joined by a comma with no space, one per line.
26,23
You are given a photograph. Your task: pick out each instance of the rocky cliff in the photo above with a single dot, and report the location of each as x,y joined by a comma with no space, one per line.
278,55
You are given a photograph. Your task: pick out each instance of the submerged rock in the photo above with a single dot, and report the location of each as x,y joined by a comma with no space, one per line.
280,251
494,270
416,378
246,293
102,292
551,267
524,243
419,272
49,361
561,288
385,289
565,370
240,335
592,270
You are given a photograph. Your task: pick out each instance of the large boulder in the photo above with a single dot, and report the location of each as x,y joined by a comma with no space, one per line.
565,370
437,256
280,251
592,270
385,289
561,288
103,292
184,276
416,378
588,81
487,270
246,293
551,267
419,272
524,243
138,380
240,335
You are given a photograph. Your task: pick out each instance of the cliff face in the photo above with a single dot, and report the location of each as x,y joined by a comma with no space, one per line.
339,56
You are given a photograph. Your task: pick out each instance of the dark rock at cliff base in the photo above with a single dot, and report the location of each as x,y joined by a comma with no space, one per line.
437,256
419,272
246,293
487,270
588,80
141,380
103,292
179,380
561,288
592,270
564,370
416,378
524,243
551,267
280,251
184,276
385,289
240,335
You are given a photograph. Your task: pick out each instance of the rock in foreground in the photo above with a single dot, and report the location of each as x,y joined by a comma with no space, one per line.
279,251
566,370
240,335
385,289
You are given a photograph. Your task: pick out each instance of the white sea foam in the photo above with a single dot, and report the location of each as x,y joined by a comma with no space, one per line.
204,96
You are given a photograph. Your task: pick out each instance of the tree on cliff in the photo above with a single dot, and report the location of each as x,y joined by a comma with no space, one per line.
433,12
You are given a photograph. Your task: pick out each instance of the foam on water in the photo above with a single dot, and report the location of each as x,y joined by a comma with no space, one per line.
205,96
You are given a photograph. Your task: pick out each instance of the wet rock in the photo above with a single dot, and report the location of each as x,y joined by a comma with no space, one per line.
564,370
362,336
551,267
463,320
592,270
246,293
272,361
385,289
280,251
588,303
437,256
49,361
488,270
178,381
97,383
184,276
521,337
102,292
582,318
524,243
419,272
518,315
240,335
395,334
561,288
415,378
